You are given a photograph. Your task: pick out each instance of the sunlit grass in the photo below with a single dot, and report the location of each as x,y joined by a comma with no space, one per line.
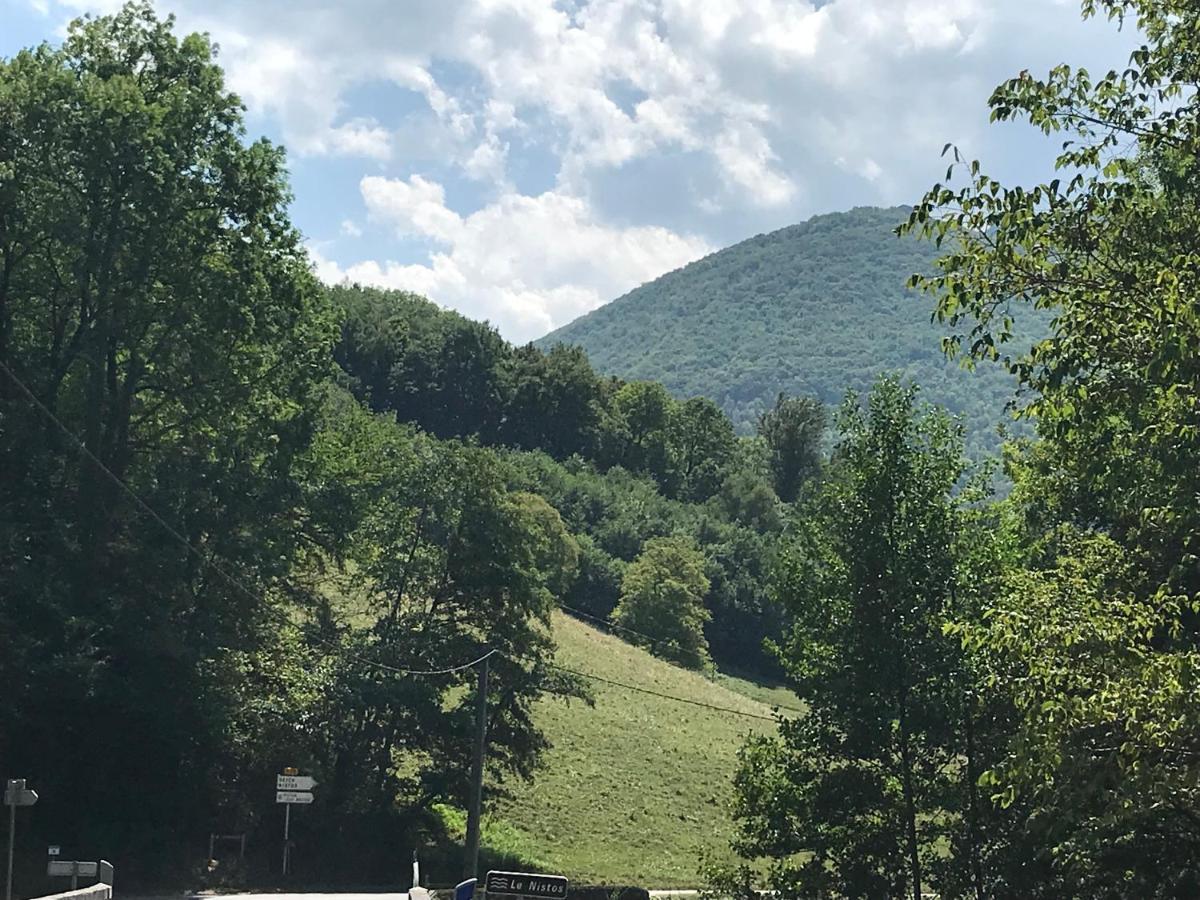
636,789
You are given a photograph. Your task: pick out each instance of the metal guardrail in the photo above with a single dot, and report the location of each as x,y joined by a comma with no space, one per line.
95,892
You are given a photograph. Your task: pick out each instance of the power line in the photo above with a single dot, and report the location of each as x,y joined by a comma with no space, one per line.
609,623
658,694
614,625
206,559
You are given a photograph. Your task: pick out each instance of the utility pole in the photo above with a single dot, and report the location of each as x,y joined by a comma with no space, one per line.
12,831
475,810
287,834
15,794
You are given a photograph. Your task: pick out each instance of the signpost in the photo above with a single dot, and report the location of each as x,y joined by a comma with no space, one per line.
72,869
526,884
15,794
291,788
76,869
293,797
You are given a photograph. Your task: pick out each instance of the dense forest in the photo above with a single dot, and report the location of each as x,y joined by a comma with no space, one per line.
248,520
812,310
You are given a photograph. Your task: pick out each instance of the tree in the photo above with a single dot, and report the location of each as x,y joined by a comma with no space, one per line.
793,430
644,410
157,302
433,562
860,782
662,596
1095,763
1108,249
702,445
555,552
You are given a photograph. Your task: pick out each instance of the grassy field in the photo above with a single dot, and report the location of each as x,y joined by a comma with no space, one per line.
636,788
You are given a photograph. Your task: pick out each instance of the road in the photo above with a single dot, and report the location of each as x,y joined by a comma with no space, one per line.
656,895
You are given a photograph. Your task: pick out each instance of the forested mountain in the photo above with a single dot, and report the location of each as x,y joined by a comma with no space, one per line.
812,309
249,520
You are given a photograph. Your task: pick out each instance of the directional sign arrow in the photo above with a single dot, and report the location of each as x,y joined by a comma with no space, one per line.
295,782
16,794
293,797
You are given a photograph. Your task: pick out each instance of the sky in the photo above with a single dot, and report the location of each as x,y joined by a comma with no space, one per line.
526,161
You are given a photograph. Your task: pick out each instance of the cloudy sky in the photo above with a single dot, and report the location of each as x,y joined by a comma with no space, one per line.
525,161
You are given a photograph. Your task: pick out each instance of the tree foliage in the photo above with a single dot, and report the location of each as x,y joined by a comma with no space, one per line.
812,310
793,430
156,301
1093,638
662,600
856,796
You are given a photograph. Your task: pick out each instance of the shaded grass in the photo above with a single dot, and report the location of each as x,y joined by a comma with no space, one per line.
635,790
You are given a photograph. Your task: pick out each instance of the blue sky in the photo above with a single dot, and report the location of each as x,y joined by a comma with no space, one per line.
525,161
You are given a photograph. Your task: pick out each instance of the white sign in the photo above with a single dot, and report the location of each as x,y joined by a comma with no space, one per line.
69,869
53,850
294,782
293,797
16,794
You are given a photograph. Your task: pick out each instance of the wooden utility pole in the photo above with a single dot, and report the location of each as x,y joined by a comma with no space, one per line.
475,810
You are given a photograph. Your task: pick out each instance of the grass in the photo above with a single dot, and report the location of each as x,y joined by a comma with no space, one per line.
635,790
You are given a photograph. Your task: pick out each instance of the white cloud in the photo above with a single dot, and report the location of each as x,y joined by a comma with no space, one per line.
748,162
528,264
415,206
646,130
350,228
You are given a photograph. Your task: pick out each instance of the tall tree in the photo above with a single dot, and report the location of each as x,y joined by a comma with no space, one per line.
793,430
644,410
156,301
858,783
1108,248
702,445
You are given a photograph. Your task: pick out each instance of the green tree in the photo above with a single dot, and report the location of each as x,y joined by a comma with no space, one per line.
860,783
1093,763
437,563
555,551
644,411
702,445
156,300
1107,248
793,430
662,595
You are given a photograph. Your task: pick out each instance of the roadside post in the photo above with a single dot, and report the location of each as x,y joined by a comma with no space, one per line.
15,794
291,789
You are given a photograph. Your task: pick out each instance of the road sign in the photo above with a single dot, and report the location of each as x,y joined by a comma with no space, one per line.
68,868
53,850
526,884
295,782
16,794
293,797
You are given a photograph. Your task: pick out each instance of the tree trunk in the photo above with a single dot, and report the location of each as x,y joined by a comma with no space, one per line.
973,805
910,805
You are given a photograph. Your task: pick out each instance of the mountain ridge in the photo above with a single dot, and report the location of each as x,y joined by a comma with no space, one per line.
814,308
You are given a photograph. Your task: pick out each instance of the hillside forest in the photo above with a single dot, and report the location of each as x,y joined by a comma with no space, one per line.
249,520
811,310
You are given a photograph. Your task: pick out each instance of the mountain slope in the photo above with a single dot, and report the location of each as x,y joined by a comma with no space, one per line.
636,788
814,308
